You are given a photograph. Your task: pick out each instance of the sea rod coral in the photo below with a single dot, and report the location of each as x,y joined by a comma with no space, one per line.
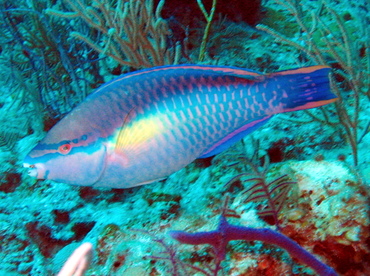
226,232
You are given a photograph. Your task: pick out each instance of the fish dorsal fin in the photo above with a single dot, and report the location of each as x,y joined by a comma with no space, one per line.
219,70
240,73
225,71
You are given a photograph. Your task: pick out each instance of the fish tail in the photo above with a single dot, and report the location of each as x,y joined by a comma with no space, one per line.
305,88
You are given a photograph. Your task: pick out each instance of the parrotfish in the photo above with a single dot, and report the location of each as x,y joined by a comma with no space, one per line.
145,125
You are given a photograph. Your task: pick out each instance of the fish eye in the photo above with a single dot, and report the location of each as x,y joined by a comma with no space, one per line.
64,149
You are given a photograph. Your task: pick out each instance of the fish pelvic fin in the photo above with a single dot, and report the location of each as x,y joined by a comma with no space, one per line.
304,88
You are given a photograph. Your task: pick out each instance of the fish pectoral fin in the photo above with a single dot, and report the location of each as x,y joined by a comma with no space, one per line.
122,133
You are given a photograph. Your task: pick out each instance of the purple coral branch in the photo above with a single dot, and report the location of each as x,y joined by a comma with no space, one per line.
226,232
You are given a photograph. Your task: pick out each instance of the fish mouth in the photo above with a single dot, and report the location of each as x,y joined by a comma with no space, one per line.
35,170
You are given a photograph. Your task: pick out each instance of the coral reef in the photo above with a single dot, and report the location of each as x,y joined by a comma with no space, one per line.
53,53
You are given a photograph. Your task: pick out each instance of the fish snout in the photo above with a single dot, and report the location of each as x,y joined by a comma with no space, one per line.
35,170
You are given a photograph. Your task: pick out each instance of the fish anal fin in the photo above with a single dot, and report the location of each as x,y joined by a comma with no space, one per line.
149,181
234,137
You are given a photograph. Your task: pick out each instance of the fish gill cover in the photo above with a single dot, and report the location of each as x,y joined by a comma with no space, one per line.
53,54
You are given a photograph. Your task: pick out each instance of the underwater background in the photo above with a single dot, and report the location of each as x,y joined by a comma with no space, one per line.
304,174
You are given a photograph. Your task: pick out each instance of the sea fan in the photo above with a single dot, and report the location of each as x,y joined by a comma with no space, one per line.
274,193
8,140
168,254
